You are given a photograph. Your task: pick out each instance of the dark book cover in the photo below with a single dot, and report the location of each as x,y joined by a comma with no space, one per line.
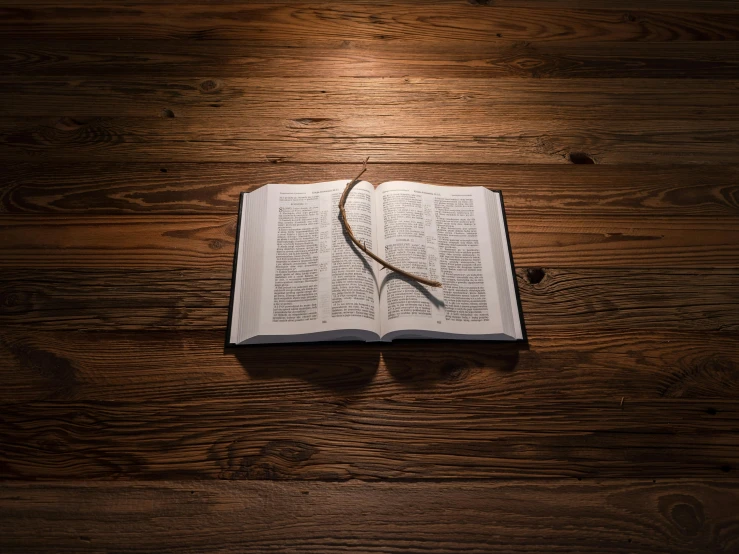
229,344
233,272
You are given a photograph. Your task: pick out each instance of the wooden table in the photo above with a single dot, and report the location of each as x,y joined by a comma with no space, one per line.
127,131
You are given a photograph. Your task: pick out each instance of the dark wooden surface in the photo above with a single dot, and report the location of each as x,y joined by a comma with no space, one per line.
127,131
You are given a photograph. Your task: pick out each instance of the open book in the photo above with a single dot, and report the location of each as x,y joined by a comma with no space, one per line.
298,278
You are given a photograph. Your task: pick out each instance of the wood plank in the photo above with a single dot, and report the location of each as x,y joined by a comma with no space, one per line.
272,23
559,363
114,300
614,299
629,299
530,190
391,138
353,58
672,5
206,242
640,516
131,242
353,436
332,98
725,6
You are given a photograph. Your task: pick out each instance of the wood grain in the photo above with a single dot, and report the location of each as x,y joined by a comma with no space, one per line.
129,242
682,516
379,58
357,437
623,299
705,6
127,131
271,23
206,242
601,366
335,97
455,139
678,5
213,188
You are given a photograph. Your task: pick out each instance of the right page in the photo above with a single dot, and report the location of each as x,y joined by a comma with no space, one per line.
442,233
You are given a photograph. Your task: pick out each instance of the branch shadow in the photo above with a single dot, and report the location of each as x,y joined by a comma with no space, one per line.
423,289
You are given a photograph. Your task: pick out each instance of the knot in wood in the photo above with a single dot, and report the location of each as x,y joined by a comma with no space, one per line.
535,275
685,512
581,158
210,86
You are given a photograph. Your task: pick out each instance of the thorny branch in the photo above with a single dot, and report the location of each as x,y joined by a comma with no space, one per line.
362,247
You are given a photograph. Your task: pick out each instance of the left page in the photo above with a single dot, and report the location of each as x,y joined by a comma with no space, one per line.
315,286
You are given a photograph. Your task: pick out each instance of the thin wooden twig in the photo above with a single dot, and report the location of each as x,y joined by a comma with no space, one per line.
362,247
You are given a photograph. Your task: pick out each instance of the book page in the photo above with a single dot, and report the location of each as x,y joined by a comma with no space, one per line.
314,280
441,233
